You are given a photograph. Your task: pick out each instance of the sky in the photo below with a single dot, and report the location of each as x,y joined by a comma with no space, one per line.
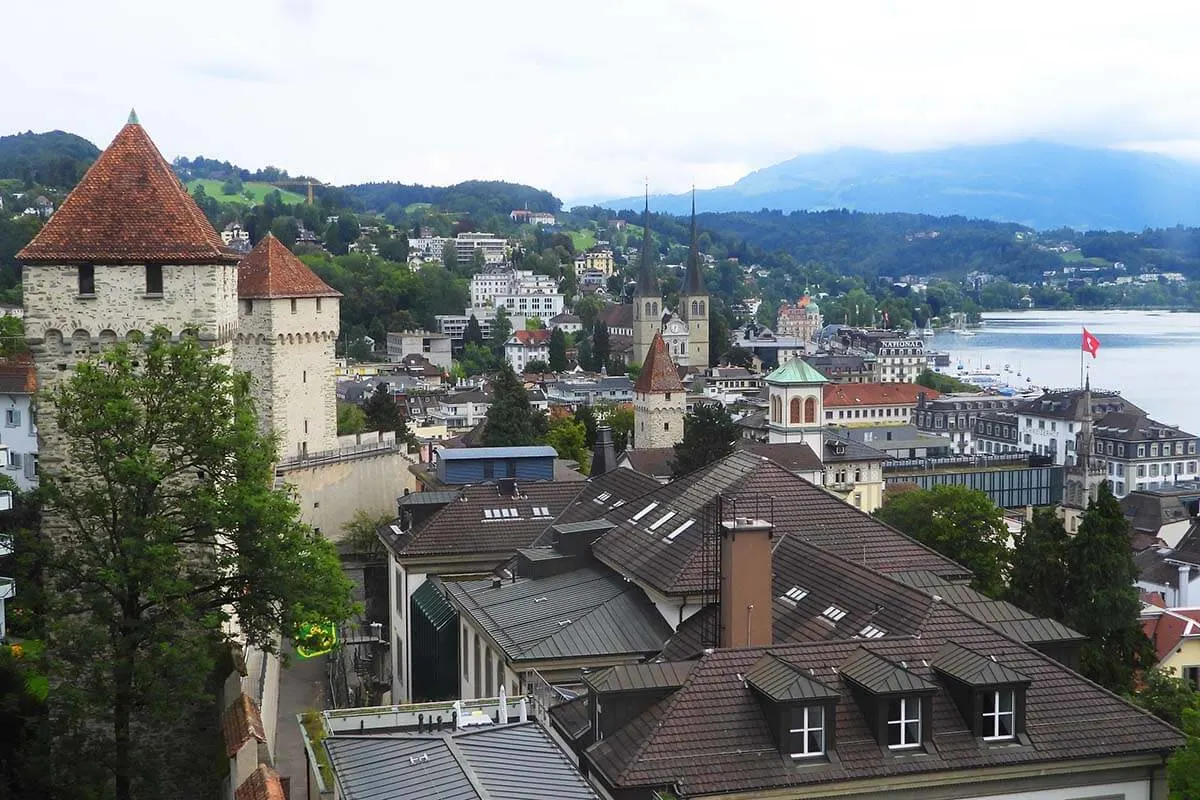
589,100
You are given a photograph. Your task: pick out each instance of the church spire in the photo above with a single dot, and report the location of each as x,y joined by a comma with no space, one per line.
647,285
693,282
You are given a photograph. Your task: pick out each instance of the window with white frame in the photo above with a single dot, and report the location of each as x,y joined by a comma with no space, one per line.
808,732
12,417
999,716
833,614
904,723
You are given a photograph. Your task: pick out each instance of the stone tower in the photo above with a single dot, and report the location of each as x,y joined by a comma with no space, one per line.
796,410
128,251
659,400
647,299
287,327
1086,472
694,303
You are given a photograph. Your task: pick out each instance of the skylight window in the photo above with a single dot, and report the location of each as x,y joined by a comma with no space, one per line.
670,537
662,520
541,511
871,632
602,497
833,614
620,502
638,516
794,595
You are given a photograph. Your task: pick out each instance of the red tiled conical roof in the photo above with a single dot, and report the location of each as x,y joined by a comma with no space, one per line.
659,374
270,270
130,208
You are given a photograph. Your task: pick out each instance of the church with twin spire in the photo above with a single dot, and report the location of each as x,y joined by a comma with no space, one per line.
684,333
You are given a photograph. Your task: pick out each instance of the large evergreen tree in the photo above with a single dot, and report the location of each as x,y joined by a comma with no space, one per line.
511,420
1102,601
709,434
558,350
501,330
473,333
601,347
1038,579
167,528
960,523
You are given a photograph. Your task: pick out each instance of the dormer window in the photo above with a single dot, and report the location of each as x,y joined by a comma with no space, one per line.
999,716
904,723
808,732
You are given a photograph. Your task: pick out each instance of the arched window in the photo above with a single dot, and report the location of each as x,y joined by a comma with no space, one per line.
794,411
695,308
656,308
648,311
702,308
810,410
775,412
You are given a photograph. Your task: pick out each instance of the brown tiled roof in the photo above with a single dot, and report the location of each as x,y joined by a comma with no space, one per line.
262,784
712,737
658,374
654,461
130,208
850,395
532,338
795,506
17,376
240,723
270,270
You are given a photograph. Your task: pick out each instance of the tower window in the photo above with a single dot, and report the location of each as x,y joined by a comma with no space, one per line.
794,411
304,376
87,280
293,305
666,426
154,279
318,305
249,307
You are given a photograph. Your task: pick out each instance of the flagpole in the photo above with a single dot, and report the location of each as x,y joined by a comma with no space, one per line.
1081,358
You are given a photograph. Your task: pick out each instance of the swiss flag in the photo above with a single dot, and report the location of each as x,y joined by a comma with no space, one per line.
1090,343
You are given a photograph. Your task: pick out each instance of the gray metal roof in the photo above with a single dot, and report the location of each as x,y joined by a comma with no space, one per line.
783,682
974,669
456,766
460,453
433,604
636,677
585,612
428,498
880,676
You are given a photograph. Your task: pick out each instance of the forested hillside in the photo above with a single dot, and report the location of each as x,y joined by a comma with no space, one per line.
480,199
54,159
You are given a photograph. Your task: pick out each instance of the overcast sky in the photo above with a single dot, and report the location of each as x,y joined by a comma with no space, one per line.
585,99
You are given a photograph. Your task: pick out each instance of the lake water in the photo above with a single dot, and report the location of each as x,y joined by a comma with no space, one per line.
1147,355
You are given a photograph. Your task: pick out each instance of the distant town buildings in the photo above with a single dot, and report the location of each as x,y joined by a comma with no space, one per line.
434,347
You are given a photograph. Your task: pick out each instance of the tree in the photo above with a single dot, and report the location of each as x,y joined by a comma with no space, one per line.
960,523
360,534
709,434
1167,696
478,260
534,324
718,333
601,347
473,333
501,331
476,360
1038,579
382,413
1102,601
350,419
739,357
511,420
166,525
286,230
620,419
568,437
558,350
233,186
943,383
1183,769
536,366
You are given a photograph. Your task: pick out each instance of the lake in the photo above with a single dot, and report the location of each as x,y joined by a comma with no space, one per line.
1146,355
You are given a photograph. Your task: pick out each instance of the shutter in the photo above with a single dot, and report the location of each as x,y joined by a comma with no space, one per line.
29,467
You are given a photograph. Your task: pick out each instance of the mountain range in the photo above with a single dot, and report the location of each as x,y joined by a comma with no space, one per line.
1040,184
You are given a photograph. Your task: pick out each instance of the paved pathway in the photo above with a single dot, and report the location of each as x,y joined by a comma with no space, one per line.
302,687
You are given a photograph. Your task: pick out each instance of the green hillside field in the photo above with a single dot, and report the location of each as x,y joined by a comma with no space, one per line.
260,190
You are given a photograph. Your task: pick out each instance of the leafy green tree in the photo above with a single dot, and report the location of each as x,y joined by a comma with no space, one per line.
350,419
1038,578
1183,769
601,347
1167,696
394,249
586,416
286,230
588,310
534,324
718,333
476,360
473,333
1102,601
233,186
943,383
360,534
381,412
502,329
12,336
569,439
536,366
558,350
960,523
511,420
620,419
166,525
478,260
709,434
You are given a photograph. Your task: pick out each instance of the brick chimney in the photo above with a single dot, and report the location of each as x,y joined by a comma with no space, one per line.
604,455
746,582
